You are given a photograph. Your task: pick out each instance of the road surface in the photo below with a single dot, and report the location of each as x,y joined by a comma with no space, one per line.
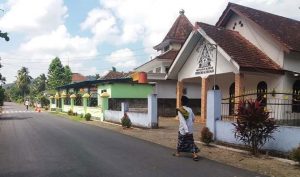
44,145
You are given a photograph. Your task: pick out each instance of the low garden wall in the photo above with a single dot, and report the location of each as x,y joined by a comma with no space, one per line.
66,108
95,112
285,139
78,109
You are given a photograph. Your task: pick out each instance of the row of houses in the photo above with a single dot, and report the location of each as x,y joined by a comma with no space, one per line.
248,53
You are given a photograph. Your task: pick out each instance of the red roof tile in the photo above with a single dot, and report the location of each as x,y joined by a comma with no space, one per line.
178,33
284,30
171,54
77,77
242,51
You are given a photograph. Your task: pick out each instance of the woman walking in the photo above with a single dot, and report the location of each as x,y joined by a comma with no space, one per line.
185,135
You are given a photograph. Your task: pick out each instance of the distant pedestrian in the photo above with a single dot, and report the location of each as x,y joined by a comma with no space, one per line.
27,104
185,135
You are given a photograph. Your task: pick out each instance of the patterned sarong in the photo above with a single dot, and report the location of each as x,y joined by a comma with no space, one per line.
186,143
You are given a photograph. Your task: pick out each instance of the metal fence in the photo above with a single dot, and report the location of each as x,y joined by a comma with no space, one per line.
283,107
67,101
78,100
134,104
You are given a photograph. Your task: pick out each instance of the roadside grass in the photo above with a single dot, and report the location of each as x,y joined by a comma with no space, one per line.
65,115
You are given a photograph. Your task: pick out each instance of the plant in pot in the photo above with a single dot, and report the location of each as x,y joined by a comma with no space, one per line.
126,122
295,154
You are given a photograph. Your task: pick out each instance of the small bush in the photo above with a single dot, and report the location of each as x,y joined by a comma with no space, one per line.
254,127
46,108
75,114
295,154
87,116
126,122
81,115
206,136
70,112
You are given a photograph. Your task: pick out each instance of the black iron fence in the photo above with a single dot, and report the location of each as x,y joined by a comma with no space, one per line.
78,100
283,107
67,101
134,104
93,100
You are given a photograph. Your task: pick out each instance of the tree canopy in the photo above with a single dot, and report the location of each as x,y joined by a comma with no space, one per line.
23,80
58,75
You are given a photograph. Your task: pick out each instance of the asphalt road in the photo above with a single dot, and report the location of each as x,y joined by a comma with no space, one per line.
41,144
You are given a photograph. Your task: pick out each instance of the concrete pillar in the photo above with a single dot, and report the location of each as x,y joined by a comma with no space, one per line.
213,110
56,101
204,89
104,104
85,98
152,110
239,88
63,97
179,89
72,97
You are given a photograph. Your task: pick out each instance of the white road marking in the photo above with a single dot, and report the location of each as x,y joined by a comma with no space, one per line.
11,112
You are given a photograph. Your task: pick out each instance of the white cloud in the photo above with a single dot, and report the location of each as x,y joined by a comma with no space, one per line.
33,17
59,43
123,58
102,24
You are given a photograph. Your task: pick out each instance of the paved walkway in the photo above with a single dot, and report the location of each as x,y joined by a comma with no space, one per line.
42,144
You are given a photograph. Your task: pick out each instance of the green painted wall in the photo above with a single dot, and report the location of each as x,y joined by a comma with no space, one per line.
130,90
106,87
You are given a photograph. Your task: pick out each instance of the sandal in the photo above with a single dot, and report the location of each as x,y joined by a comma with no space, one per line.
176,154
196,158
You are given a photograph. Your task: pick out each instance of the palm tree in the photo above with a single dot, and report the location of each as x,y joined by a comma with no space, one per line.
23,80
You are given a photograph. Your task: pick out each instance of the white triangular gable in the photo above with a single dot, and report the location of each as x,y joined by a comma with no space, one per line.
201,61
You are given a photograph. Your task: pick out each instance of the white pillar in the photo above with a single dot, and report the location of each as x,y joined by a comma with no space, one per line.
152,110
213,110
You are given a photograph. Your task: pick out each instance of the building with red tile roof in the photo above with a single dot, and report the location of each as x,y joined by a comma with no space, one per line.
248,50
77,77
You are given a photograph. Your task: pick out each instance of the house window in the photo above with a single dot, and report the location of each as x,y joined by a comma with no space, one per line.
157,70
261,92
166,48
184,91
231,98
104,90
296,97
215,87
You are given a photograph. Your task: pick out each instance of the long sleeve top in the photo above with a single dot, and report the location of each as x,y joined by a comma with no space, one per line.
186,126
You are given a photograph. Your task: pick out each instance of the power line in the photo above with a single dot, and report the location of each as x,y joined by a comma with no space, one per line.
76,58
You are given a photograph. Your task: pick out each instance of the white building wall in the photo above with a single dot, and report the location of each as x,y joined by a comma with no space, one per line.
292,62
258,37
189,68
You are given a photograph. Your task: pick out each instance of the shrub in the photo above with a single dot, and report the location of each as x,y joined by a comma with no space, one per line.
295,154
46,108
206,136
70,112
87,116
254,127
75,114
81,115
126,122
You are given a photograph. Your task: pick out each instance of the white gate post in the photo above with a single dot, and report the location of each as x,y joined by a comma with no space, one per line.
213,109
152,110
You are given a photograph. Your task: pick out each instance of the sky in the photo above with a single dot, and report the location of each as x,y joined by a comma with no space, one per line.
91,36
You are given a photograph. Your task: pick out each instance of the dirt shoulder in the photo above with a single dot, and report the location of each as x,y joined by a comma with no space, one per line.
166,135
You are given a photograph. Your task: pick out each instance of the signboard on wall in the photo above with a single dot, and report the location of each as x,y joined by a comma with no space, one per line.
205,65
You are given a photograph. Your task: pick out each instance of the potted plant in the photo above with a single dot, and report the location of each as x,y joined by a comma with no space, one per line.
126,122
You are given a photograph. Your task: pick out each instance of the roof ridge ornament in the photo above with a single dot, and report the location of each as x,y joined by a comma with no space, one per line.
181,12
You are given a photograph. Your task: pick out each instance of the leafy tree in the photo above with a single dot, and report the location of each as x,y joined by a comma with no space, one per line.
23,81
57,76
4,35
38,85
2,95
254,127
68,74
97,76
